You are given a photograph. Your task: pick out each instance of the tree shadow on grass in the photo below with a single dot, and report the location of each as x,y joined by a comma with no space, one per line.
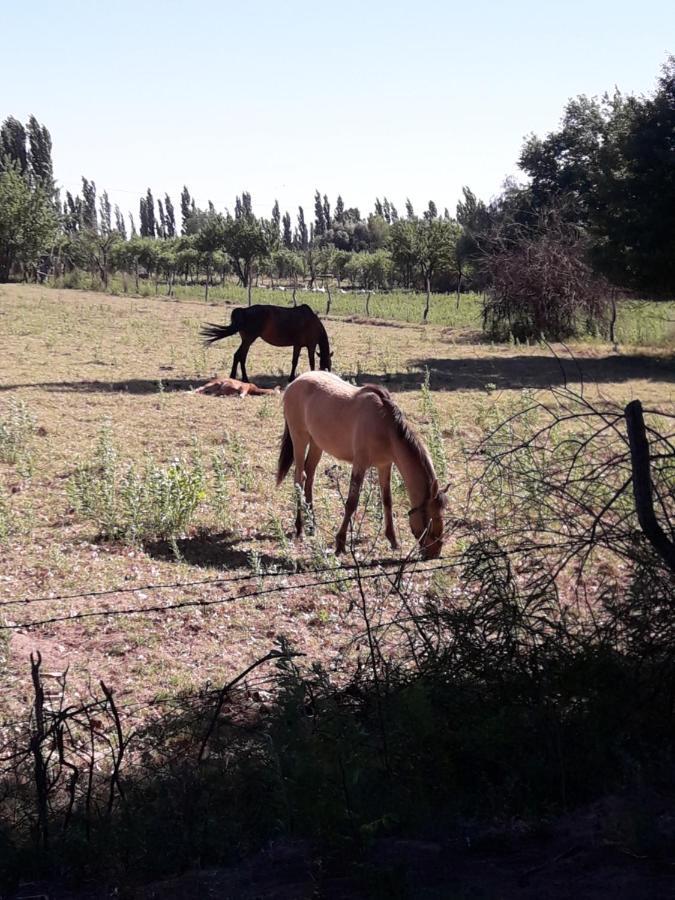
459,374
518,372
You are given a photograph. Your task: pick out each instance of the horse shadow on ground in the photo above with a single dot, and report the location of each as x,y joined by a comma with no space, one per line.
135,386
213,551
219,550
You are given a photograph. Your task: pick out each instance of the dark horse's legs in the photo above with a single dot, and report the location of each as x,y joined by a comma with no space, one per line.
240,359
310,354
296,357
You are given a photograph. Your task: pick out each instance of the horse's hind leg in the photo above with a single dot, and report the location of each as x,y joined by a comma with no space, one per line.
296,357
350,507
299,450
384,473
235,361
311,463
243,353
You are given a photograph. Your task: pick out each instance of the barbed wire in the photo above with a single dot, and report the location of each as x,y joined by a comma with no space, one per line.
170,585
184,604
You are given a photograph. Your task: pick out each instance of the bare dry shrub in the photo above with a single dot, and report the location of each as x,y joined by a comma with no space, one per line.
541,283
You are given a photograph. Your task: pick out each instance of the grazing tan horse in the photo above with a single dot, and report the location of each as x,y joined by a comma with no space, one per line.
362,426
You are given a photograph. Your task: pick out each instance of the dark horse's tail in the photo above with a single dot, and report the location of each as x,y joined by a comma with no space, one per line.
212,333
285,455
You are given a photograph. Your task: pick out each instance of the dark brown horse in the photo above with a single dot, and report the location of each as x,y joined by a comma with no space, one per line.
281,326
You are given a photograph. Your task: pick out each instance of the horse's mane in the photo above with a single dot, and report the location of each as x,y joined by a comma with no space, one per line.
403,428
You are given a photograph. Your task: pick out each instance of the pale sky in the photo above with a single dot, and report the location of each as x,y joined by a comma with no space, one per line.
363,98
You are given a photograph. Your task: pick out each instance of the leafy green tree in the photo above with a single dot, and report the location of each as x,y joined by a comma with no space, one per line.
353,269
119,223
340,260
633,216
339,210
403,241
40,143
170,217
436,244
167,261
28,222
143,216
326,213
431,212
185,208
187,257
379,211
161,227
378,232
427,245
243,206
89,217
473,243
99,247
72,213
609,168
319,218
287,233
13,152
301,237
210,238
105,212
410,212
287,264
377,269
276,218
151,230
245,241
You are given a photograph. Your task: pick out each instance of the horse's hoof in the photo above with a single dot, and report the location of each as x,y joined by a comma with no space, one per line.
339,547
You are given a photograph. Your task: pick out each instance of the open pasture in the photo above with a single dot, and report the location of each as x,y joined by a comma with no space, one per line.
76,366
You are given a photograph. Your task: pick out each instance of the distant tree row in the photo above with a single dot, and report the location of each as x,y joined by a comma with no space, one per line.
599,200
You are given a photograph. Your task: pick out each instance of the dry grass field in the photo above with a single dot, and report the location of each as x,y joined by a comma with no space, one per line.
78,363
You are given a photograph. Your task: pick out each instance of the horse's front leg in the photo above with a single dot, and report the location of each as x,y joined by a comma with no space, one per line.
310,355
299,450
384,473
355,483
296,357
235,362
311,463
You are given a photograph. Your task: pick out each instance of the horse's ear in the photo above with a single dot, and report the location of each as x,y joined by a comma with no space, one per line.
331,354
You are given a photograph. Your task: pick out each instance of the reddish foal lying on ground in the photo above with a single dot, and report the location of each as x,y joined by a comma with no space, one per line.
227,387
365,427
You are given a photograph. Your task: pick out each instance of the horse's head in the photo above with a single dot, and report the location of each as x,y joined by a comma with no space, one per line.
325,360
426,523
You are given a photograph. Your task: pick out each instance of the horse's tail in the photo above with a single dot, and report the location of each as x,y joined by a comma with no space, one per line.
285,455
212,333
324,348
